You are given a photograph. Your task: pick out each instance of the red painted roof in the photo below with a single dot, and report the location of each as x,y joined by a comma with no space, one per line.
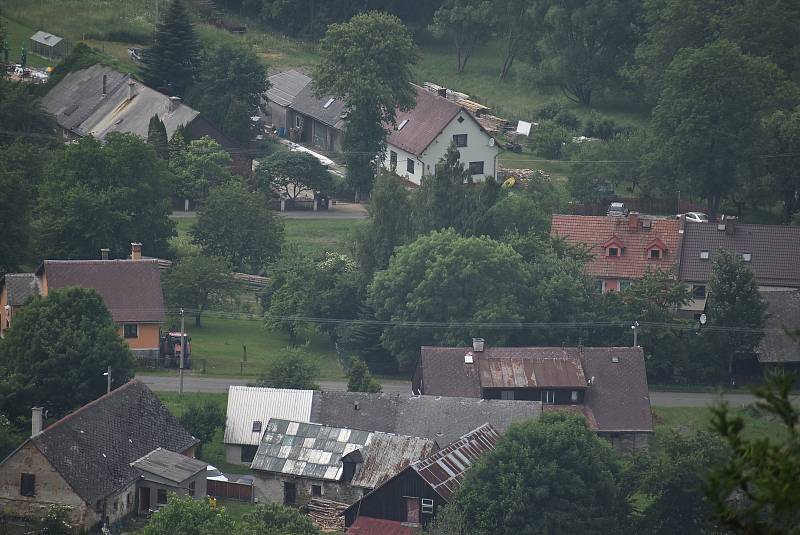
596,231
365,525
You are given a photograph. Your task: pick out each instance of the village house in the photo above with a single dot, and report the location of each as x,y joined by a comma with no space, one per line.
423,134
298,461
131,289
413,497
438,418
778,348
15,289
162,472
622,249
283,89
84,460
99,100
607,385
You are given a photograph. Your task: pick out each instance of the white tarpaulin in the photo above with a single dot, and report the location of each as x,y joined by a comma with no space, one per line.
524,128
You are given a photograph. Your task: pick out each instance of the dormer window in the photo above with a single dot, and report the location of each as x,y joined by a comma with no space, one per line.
704,255
613,247
655,254
656,249
747,257
613,251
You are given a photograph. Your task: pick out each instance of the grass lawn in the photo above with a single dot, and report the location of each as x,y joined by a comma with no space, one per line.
18,38
527,160
757,424
220,342
314,235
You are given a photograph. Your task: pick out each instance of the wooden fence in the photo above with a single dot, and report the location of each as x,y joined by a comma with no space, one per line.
229,490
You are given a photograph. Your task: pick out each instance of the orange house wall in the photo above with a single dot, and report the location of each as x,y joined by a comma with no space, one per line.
148,336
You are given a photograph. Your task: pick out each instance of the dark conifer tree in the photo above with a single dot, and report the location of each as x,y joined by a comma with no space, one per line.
157,137
171,63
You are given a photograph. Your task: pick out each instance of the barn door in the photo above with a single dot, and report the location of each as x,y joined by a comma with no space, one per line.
412,510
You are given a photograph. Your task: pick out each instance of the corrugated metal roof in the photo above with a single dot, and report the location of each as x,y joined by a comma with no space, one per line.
284,86
247,404
531,372
169,465
444,470
387,455
307,450
46,38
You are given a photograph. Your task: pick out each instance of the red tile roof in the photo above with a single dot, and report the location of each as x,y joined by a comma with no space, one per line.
131,289
597,231
365,525
426,120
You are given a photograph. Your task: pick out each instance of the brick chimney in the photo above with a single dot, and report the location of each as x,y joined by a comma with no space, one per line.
477,345
104,253
36,420
442,92
633,221
730,225
136,251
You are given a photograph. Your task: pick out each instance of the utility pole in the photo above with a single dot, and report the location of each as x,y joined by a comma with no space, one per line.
183,352
635,328
108,387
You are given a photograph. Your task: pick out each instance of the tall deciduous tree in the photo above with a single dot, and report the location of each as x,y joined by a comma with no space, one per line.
467,23
541,477
23,117
587,42
55,353
274,519
15,205
96,195
198,167
290,369
734,304
444,277
195,282
185,515
230,83
239,226
290,174
367,62
443,200
783,130
359,379
517,23
707,129
202,420
171,64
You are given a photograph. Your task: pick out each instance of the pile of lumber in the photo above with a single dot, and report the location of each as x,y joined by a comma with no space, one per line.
326,514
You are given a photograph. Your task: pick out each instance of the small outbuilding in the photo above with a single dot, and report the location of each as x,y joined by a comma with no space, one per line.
161,472
48,45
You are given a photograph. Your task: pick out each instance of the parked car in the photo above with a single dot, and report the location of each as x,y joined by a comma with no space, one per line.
617,209
696,217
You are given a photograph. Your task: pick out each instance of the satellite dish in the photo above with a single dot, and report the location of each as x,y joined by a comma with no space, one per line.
703,319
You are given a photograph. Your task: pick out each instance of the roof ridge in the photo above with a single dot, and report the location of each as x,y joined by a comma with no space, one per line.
90,404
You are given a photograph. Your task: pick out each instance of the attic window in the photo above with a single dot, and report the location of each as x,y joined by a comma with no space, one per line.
747,257
256,426
427,506
655,253
460,119
704,255
327,104
615,360
613,251
402,124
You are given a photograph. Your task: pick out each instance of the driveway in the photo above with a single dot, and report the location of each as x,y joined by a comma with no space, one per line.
193,383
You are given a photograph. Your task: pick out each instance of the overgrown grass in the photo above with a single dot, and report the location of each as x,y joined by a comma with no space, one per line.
686,419
220,341
18,38
559,170
311,236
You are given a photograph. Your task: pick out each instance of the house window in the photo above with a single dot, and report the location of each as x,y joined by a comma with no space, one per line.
192,488
316,491
655,254
549,397
699,291
574,396
298,121
161,496
427,506
476,168
599,285
248,453
130,330
460,119
256,426
613,251
460,140
410,166
27,485
392,160
624,285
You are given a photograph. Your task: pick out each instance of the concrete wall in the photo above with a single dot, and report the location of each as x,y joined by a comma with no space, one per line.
119,505
477,150
268,488
278,115
50,488
155,483
233,454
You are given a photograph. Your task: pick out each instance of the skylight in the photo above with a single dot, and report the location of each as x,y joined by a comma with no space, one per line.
402,124
327,104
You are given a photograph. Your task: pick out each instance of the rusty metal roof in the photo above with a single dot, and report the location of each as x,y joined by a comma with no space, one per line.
388,454
531,372
444,470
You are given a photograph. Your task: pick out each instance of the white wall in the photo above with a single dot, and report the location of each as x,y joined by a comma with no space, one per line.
477,149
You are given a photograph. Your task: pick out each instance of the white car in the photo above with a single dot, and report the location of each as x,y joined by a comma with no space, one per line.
696,217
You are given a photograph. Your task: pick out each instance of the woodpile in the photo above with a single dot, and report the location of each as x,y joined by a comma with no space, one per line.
326,514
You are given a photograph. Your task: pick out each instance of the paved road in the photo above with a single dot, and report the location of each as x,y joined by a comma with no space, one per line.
193,383
337,211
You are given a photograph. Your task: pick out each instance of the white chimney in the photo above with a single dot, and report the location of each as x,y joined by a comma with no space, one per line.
136,251
104,253
477,344
174,102
131,89
469,358
36,421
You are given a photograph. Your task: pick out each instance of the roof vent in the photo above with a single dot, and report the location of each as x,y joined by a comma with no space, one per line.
647,223
328,104
615,360
402,124
477,344
256,426
704,255
747,257
355,405
468,358
721,227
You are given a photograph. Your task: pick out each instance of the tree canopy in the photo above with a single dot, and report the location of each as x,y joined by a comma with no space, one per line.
171,64
195,282
359,379
290,369
290,174
56,352
199,166
467,23
202,420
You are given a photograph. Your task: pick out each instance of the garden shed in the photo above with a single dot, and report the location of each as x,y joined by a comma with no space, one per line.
48,45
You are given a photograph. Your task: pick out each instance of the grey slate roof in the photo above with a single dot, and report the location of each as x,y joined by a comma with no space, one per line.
308,104
774,251
79,105
92,448
20,287
443,419
783,312
284,86
46,38
169,465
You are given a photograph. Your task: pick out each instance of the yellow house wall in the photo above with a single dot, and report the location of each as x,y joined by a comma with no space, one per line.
148,336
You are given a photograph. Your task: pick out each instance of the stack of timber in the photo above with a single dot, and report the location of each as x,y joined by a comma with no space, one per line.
326,514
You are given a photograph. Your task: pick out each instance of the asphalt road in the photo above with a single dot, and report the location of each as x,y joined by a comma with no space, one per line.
193,383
